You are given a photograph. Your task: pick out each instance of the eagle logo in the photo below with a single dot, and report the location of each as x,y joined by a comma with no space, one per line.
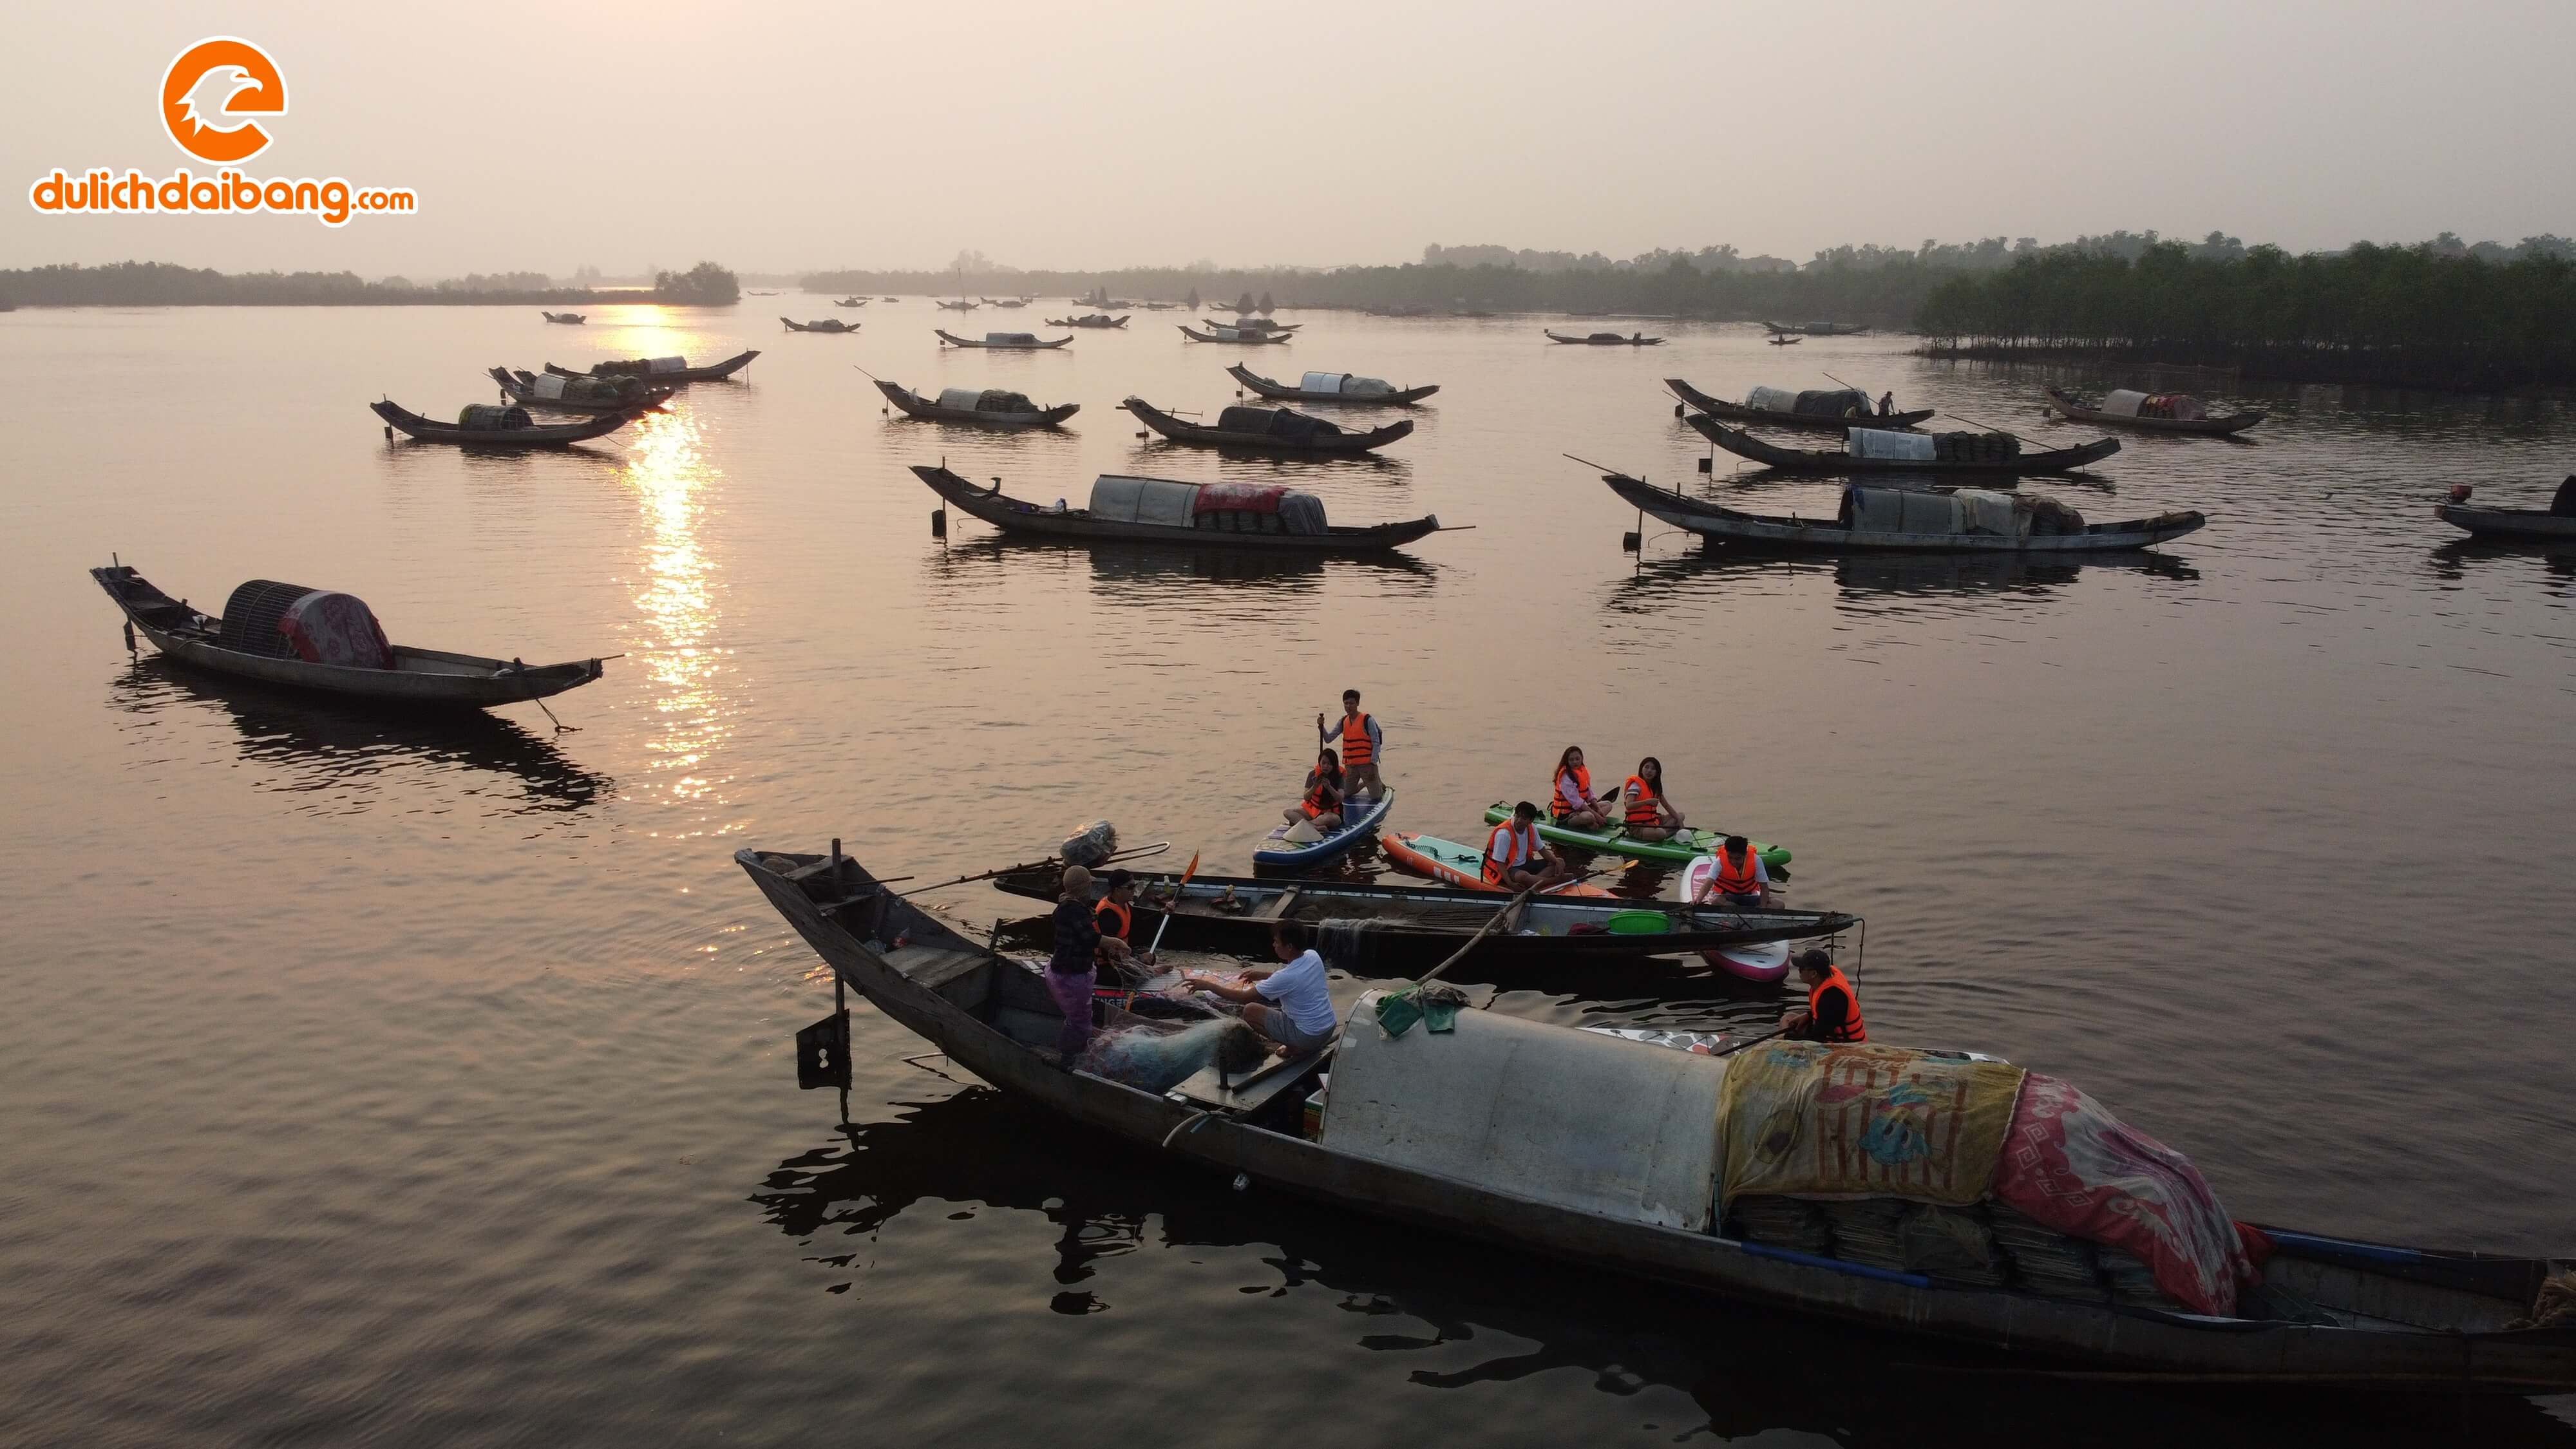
210,93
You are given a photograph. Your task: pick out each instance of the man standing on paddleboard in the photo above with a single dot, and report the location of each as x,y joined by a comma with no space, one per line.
1361,743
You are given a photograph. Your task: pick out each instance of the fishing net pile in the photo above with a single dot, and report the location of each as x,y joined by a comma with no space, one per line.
594,389
1968,1172
491,417
640,367
1283,423
1156,1057
1975,447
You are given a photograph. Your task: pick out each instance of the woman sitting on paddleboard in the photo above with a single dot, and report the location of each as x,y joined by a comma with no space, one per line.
1649,815
1323,802
1573,804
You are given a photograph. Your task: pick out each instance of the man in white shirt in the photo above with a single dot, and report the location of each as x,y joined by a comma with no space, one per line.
1302,1021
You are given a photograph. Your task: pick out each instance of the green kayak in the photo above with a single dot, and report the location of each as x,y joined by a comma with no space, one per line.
1680,850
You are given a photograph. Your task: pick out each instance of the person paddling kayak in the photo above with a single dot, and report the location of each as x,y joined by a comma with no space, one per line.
1362,742
1323,801
1649,815
1573,804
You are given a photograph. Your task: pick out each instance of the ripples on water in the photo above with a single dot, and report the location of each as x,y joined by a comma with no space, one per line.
373,1080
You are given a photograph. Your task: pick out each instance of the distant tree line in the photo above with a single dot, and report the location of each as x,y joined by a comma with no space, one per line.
159,284
704,285
2438,314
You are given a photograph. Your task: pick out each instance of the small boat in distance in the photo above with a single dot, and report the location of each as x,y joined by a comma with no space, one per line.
1787,341
1259,516
1088,319
1254,324
1005,302
1778,408
854,301
666,371
1802,460
569,319
960,305
485,425
317,639
592,395
1268,430
1251,337
2157,413
1909,520
2556,522
1332,387
1002,341
1605,339
821,324
980,408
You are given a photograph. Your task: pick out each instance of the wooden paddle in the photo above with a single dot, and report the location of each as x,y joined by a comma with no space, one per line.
1168,911
1752,1041
1482,932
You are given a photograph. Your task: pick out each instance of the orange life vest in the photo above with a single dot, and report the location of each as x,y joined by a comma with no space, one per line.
1115,919
1564,804
1734,878
1507,847
1851,1029
1318,800
1356,747
1641,802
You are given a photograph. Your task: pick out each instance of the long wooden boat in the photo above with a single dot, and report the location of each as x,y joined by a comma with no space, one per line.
2508,522
1604,339
1600,1180
1319,439
713,372
1725,525
1800,460
915,405
1094,319
1076,525
1253,324
1718,407
1817,329
431,430
522,387
2066,405
821,324
958,306
1281,392
569,319
1007,302
852,301
1404,924
1010,342
1786,341
1247,338
423,678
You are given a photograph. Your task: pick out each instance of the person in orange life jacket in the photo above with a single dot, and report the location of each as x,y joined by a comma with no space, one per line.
1362,743
1741,879
1289,1005
1572,803
1649,816
1323,801
1832,1012
1117,919
1514,858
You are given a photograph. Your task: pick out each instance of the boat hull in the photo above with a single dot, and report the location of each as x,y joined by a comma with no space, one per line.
1794,535
1329,445
1404,397
914,405
713,372
1718,407
1014,516
1801,460
430,430
2508,522
2221,427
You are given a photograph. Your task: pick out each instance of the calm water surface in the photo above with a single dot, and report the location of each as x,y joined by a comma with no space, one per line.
379,1083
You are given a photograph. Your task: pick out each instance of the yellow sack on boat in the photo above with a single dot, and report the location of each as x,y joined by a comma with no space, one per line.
1810,1119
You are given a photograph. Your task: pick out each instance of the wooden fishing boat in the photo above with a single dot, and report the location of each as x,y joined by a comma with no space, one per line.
1422,925
1253,324
822,324
1010,302
853,301
1623,1173
1799,460
1093,319
2073,409
569,319
1817,329
654,369
960,305
556,435
255,647
1282,392
1829,535
1121,524
1249,338
951,406
529,390
1718,407
1002,341
1269,430
2525,523
1605,339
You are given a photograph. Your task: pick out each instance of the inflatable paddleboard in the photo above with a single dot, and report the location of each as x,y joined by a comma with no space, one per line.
1617,842
1450,863
1277,849
1766,962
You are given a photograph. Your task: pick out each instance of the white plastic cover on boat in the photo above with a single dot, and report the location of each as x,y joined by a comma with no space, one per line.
1144,500
1904,510
1563,1117
1009,339
2123,403
960,397
550,386
1880,443
666,364
1323,382
1771,399
1982,510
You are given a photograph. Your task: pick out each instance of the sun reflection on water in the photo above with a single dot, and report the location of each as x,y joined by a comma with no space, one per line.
676,602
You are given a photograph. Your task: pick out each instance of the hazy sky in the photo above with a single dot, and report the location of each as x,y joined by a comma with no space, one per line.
636,132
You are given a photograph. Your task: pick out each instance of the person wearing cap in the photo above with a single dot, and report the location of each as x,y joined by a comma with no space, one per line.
1833,1009
1515,860
1740,879
1117,920
1072,970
